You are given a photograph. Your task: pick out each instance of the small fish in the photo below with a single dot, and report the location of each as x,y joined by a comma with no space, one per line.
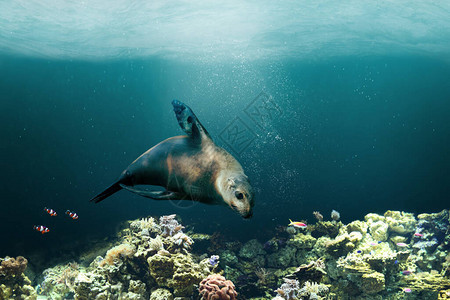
406,272
402,245
359,251
50,211
418,234
72,214
42,229
379,242
373,244
297,224
407,290
396,262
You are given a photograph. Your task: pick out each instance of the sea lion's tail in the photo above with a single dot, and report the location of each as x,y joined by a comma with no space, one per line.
108,192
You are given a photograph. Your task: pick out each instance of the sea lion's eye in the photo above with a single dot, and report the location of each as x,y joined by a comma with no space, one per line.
239,195
189,119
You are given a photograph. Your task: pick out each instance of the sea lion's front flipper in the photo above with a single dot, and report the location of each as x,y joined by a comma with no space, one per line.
155,195
189,122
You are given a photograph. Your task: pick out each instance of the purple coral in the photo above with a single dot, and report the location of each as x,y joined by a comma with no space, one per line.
214,260
289,289
169,225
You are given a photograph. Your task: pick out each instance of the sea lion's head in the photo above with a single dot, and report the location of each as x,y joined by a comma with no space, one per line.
238,195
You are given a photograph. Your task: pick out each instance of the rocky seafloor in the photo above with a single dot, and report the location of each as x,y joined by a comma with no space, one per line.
392,256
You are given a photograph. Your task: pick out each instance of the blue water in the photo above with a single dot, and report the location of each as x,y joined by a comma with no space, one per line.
361,93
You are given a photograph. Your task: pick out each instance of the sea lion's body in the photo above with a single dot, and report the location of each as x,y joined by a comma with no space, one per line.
189,167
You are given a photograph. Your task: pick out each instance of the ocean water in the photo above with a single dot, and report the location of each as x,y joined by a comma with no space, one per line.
357,117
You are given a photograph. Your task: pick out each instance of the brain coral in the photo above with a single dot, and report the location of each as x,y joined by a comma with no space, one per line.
216,287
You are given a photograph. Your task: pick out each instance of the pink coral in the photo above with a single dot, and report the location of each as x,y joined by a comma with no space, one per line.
216,287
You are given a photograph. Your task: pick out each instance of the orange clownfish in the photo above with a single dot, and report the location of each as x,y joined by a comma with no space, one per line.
297,224
41,228
72,214
50,211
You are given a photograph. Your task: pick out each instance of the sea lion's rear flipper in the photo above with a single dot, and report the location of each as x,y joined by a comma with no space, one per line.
155,195
189,122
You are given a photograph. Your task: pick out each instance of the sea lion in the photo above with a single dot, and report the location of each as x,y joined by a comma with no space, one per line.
189,167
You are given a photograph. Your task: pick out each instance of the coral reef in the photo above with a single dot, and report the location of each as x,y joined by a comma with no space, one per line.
391,256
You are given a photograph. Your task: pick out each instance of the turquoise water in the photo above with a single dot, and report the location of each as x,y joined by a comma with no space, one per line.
360,92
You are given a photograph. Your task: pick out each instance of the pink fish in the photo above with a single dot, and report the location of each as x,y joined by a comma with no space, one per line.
407,290
297,224
402,245
418,234
406,272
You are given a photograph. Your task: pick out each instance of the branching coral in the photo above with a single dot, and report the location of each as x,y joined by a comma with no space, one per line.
289,289
262,274
313,290
216,287
59,280
169,225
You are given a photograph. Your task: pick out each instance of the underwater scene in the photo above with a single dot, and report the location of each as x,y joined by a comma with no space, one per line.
225,150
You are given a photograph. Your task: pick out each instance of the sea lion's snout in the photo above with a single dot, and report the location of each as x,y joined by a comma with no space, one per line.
249,215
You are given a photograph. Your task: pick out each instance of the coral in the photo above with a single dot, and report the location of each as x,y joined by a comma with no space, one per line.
327,228
302,241
182,240
400,222
289,289
169,225
262,275
13,266
357,226
228,258
372,283
283,258
216,287
116,253
335,216
313,290
251,249
13,283
291,230
343,243
161,294
379,230
59,280
318,216
314,271
381,257
176,271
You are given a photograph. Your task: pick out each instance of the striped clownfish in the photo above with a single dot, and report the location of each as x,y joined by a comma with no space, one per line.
41,228
72,214
50,211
